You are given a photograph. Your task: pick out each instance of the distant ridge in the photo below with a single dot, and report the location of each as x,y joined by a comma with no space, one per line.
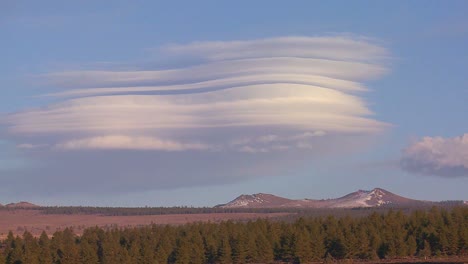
361,198
22,204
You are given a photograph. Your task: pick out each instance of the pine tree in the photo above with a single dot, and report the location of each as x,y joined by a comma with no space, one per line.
401,249
182,251
89,247
210,247
70,248
273,235
287,244
317,240
364,250
375,243
9,246
251,244
88,254
45,256
426,250
134,251
197,250
412,246
303,247
15,255
147,255
453,238
337,248
30,249
349,237
110,248
224,250
239,248
56,246
264,250
124,256
2,258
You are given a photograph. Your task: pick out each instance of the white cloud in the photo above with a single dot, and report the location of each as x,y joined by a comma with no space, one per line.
309,70
305,135
298,107
271,142
227,82
334,48
128,142
287,101
446,157
330,62
291,89
30,146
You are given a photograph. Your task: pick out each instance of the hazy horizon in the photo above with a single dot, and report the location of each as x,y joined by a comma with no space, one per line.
166,104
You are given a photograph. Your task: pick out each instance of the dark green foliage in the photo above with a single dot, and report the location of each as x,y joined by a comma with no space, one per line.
424,233
30,249
306,212
45,255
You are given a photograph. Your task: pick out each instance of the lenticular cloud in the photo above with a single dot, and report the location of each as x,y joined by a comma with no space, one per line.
277,87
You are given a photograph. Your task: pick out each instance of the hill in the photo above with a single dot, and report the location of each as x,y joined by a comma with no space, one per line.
361,198
22,204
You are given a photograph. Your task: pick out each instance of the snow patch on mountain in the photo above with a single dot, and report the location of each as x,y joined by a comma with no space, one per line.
362,198
246,200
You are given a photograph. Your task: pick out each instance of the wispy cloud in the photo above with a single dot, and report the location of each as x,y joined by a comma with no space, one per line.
300,107
128,142
299,84
30,146
200,86
331,48
330,62
271,142
445,157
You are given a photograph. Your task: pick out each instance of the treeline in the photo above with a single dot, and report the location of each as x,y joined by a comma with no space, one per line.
422,233
127,211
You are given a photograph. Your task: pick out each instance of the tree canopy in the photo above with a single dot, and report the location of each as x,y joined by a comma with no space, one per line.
422,233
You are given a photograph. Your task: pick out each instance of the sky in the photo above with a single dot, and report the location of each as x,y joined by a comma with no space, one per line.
149,103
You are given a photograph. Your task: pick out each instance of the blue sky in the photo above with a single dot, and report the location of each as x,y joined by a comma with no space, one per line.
271,100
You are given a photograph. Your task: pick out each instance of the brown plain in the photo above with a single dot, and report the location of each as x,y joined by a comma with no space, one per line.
35,221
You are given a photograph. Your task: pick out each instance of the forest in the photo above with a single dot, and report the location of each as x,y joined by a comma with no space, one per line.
127,211
388,235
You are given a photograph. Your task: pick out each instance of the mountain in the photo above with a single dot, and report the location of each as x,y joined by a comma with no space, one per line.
22,204
258,200
374,198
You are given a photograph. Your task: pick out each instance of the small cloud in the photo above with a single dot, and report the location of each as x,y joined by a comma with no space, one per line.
110,142
271,142
249,149
305,135
268,138
445,157
30,146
